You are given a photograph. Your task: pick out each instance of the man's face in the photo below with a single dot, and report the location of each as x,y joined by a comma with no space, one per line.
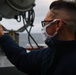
51,29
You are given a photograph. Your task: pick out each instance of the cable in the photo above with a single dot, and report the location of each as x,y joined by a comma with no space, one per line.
18,18
29,38
28,20
23,16
31,18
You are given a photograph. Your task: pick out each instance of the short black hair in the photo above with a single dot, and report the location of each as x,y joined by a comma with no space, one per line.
66,11
63,4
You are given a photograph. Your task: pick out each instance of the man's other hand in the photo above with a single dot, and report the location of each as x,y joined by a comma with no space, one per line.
1,31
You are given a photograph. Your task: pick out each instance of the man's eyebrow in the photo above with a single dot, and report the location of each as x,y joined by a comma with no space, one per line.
44,20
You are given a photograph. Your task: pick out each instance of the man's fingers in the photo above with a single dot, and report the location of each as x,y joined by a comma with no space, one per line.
1,28
0,25
1,31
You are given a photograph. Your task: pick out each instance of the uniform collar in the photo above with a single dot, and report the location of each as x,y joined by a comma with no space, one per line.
58,44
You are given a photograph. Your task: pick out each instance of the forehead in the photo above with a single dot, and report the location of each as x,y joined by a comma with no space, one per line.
48,15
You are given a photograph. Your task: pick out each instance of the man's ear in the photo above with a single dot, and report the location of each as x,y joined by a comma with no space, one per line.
59,24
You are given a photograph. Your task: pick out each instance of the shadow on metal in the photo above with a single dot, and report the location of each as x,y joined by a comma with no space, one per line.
10,71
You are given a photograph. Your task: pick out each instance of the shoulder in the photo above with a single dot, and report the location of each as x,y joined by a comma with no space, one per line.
4,38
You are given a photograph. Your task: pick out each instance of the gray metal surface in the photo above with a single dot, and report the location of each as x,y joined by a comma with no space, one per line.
4,62
6,68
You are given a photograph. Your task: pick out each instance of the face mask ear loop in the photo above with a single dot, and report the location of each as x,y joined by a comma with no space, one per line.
44,31
48,26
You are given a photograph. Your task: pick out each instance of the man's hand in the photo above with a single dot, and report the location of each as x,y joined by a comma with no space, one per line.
1,31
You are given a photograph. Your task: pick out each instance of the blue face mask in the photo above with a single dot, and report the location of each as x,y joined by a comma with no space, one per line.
46,35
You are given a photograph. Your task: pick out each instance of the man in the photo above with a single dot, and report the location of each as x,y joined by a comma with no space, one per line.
59,27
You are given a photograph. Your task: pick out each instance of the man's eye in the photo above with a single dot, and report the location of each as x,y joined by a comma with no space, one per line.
45,23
